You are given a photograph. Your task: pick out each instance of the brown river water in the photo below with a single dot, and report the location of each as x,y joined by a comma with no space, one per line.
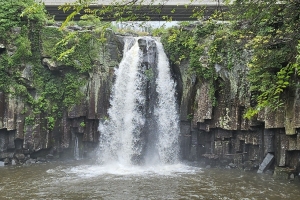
81,180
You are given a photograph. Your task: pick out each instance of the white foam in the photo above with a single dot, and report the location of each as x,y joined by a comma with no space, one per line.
117,169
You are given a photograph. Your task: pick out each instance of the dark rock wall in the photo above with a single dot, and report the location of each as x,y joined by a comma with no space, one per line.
214,131
81,121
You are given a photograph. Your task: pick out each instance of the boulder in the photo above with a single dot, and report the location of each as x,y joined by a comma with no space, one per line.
52,65
266,163
20,157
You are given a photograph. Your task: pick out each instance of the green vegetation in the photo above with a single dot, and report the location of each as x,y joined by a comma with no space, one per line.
272,33
193,43
27,40
82,124
15,27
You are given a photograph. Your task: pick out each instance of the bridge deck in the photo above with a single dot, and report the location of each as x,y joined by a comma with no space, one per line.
183,10
143,2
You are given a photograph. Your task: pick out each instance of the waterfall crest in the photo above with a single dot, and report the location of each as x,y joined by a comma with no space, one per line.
142,127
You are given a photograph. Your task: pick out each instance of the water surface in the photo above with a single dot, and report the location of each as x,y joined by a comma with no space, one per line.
78,180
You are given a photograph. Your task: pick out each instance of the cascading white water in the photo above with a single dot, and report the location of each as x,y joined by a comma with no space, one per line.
122,138
76,149
120,132
166,111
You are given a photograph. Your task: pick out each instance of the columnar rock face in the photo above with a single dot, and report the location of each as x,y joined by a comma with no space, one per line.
79,123
217,132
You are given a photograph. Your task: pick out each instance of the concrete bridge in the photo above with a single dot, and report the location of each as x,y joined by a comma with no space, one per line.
179,10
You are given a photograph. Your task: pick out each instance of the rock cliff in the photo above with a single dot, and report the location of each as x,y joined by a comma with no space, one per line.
215,132
36,139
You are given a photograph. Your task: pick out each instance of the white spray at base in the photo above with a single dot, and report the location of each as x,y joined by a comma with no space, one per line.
122,140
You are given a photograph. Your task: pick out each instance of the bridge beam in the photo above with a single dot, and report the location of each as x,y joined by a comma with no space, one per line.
177,10
181,13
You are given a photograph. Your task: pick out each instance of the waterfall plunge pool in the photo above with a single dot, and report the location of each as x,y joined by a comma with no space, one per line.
82,180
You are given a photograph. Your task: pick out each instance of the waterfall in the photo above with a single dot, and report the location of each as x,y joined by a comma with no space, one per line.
166,111
76,149
142,126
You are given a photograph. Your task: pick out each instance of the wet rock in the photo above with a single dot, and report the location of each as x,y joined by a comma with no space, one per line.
27,76
16,30
222,71
75,28
266,163
208,167
292,176
231,165
49,156
2,164
6,161
51,64
248,166
88,27
270,172
58,24
281,173
30,161
13,162
39,159
20,157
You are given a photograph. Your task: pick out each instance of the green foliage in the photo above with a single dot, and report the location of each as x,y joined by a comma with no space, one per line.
272,33
35,11
189,42
11,65
25,38
51,122
157,32
69,50
72,86
29,120
190,116
15,33
177,42
73,49
50,36
92,20
13,13
82,124
9,16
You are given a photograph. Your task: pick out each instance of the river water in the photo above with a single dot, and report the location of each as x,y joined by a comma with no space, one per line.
80,180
